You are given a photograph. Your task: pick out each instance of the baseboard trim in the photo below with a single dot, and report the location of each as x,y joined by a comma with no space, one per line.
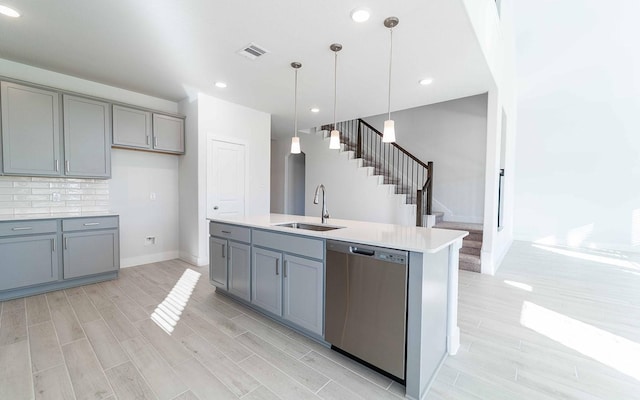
148,259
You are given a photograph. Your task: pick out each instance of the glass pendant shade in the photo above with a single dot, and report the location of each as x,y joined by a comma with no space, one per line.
334,142
295,145
389,133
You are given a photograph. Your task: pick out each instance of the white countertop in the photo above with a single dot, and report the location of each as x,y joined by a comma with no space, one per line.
22,217
411,238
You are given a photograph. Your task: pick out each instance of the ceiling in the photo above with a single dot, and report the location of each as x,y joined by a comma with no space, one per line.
173,49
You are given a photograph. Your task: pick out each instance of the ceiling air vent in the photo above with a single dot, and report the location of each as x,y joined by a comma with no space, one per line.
252,51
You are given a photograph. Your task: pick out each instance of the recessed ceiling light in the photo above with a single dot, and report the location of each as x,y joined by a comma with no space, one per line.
221,85
426,81
314,110
9,12
360,14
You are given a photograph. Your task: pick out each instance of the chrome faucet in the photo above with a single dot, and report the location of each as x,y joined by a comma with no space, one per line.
325,212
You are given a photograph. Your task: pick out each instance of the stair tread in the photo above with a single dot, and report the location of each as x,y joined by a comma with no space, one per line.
467,226
469,258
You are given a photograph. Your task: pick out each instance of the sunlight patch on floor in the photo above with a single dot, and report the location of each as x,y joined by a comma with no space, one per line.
609,349
617,262
519,285
168,313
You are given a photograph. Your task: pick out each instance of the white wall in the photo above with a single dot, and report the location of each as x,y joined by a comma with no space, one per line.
134,174
578,151
452,134
279,152
219,119
496,38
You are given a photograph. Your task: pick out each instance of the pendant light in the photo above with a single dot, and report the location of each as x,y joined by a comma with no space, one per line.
295,140
389,132
334,142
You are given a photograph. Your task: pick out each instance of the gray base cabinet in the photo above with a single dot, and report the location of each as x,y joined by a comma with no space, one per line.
90,253
28,260
240,270
218,262
38,256
303,281
266,280
230,259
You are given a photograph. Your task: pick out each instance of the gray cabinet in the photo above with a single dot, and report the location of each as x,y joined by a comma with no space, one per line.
218,262
27,259
286,282
87,138
240,269
168,134
303,291
131,128
230,259
90,246
266,282
30,130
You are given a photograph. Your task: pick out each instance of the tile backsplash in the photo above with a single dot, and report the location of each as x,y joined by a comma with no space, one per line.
39,195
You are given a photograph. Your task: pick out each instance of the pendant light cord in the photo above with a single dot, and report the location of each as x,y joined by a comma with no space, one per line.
390,61
295,106
335,89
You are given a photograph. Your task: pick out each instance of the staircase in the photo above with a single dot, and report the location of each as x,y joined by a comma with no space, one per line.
396,166
471,245
407,176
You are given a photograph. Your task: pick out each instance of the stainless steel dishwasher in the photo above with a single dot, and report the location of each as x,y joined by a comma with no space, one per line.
366,304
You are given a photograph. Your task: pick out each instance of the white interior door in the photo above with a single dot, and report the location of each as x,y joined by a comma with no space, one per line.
225,178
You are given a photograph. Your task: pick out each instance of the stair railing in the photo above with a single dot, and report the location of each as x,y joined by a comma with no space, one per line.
412,177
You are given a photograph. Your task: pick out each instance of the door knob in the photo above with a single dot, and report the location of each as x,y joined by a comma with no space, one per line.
215,207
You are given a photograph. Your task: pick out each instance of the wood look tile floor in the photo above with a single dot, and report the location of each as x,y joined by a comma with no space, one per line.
553,323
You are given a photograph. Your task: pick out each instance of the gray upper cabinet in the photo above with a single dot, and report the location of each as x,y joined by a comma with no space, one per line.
131,128
87,138
30,130
168,134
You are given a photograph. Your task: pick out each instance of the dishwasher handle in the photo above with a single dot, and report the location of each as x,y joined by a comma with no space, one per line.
362,252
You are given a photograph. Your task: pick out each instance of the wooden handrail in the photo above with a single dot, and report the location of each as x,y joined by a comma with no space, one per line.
393,144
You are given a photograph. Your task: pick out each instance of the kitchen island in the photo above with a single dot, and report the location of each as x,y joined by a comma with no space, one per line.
243,248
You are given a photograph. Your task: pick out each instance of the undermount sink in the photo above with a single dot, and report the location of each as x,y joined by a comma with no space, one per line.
309,227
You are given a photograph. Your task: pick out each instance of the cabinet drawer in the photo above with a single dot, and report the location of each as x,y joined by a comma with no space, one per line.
13,228
289,243
83,224
232,232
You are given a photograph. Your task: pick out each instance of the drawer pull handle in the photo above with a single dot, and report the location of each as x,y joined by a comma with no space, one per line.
53,245
92,223
22,228
57,166
147,140
66,166
285,268
155,142
65,243
277,264
223,250
227,232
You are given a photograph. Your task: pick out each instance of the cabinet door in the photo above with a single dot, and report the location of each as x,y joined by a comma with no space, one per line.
240,270
266,289
30,130
218,262
28,260
131,127
303,292
90,252
87,138
168,133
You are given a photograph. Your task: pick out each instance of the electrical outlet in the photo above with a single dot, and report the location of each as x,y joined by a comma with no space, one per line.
152,196
150,241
